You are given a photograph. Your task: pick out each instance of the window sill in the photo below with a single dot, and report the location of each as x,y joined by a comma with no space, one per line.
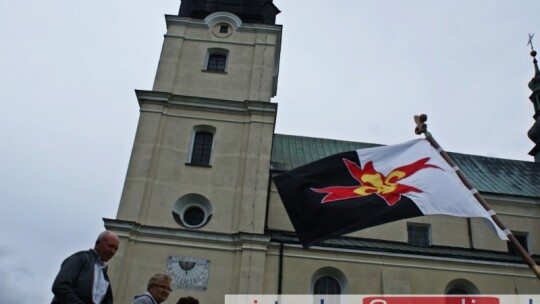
212,71
196,165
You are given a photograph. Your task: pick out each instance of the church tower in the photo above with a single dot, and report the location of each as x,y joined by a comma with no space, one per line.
534,131
195,194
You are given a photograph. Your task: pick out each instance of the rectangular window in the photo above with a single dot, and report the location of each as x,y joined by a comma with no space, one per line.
522,238
418,235
216,62
202,148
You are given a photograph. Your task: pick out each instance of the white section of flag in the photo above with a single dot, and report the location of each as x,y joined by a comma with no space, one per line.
443,193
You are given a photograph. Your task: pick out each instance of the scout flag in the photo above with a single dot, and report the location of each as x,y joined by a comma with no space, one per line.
354,190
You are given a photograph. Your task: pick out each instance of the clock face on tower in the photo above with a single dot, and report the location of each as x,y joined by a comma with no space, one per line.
188,272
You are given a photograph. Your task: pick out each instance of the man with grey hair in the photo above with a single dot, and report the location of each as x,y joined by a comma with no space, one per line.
157,290
82,278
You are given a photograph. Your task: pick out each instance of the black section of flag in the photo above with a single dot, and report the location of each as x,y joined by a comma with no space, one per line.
314,220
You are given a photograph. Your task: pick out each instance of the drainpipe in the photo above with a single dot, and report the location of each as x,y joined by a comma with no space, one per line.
469,227
280,271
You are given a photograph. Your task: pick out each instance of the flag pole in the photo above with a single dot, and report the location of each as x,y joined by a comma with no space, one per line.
421,128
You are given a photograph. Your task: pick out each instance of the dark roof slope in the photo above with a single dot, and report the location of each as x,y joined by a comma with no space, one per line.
488,174
250,11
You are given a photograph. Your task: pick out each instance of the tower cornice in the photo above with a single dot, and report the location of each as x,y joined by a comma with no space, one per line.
177,20
206,104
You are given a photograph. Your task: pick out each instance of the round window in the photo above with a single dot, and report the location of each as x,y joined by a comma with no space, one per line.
192,211
194,216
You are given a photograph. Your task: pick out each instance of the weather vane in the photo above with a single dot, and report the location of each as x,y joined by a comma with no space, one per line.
530,41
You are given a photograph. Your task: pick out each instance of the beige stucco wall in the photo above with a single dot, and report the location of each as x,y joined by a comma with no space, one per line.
244,265
376,273
520,215
236,184
146,255
251,67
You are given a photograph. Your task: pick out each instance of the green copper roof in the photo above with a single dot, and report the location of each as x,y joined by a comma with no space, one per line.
489,175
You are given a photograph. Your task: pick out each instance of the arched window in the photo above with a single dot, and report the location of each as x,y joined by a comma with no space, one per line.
461,287
327,285
216,60
201,146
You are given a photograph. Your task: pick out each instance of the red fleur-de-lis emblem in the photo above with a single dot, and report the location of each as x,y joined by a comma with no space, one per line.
370,182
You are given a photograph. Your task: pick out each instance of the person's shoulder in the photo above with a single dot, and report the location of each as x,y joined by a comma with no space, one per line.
144,298
83,255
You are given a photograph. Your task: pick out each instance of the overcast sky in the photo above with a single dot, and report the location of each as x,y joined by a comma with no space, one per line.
350,69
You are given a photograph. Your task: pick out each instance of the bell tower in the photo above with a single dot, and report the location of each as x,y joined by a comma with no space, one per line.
195,194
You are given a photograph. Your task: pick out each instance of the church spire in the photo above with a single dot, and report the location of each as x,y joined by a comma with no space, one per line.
533,54
534,85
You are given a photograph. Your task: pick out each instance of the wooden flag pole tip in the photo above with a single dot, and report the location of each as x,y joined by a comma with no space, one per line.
421,126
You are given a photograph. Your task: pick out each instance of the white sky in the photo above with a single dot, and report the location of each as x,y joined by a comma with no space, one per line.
355,70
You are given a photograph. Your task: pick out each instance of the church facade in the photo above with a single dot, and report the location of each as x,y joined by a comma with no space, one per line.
199,202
